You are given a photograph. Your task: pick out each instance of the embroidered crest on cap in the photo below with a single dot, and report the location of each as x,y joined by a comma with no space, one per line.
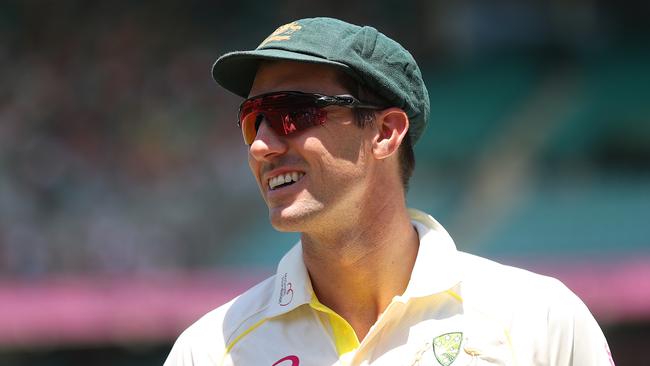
283,33
446,347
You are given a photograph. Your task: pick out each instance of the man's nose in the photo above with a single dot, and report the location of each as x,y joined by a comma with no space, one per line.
267,143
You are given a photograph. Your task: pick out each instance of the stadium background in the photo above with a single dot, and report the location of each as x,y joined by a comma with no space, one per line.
126,205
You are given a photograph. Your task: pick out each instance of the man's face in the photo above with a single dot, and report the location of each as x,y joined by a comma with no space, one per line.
330,161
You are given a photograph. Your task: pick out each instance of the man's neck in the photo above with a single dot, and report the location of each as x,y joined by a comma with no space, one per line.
358,270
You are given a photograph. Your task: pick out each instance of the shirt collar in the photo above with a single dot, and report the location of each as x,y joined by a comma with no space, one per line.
292,283
435,268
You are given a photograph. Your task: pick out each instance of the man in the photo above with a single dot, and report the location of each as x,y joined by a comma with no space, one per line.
332,112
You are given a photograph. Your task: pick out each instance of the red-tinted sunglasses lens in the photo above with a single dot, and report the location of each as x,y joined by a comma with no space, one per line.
284,113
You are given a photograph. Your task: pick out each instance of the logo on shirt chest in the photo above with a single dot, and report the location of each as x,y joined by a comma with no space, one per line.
446,347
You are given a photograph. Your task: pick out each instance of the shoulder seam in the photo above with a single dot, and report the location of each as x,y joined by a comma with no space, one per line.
244,321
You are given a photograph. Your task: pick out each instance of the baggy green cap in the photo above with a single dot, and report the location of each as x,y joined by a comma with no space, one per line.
376,61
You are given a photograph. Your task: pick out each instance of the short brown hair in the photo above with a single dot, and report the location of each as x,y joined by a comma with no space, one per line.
364,117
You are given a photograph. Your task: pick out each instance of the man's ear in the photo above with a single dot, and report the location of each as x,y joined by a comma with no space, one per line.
392,125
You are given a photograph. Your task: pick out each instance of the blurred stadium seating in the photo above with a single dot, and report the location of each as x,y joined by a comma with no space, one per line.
127,209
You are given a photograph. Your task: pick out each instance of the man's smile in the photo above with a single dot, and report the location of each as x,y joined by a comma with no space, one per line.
284,179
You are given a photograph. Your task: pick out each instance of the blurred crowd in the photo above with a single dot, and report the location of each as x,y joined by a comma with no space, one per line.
117,151
111,158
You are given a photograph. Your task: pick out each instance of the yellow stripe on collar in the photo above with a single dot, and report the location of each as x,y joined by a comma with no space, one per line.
345,338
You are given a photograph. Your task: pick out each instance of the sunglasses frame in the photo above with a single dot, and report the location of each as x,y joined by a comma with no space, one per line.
310,100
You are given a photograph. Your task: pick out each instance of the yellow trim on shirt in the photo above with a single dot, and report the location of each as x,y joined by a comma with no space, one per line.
455,295
239,337
345,338
512,348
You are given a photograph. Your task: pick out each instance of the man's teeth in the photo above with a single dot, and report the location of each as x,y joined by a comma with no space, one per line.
285,178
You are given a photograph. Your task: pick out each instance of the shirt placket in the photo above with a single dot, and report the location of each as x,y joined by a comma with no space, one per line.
363,353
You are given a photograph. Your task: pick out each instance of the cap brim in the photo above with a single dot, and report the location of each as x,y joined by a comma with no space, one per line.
235,71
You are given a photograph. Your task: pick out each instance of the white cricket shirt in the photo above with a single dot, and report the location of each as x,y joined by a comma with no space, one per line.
458,309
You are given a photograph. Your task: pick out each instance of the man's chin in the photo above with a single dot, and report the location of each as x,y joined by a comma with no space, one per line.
289,219
284,223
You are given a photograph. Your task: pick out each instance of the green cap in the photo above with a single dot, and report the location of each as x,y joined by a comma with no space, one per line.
376,61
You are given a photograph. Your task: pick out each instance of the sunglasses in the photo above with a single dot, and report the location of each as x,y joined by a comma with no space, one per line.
288,112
